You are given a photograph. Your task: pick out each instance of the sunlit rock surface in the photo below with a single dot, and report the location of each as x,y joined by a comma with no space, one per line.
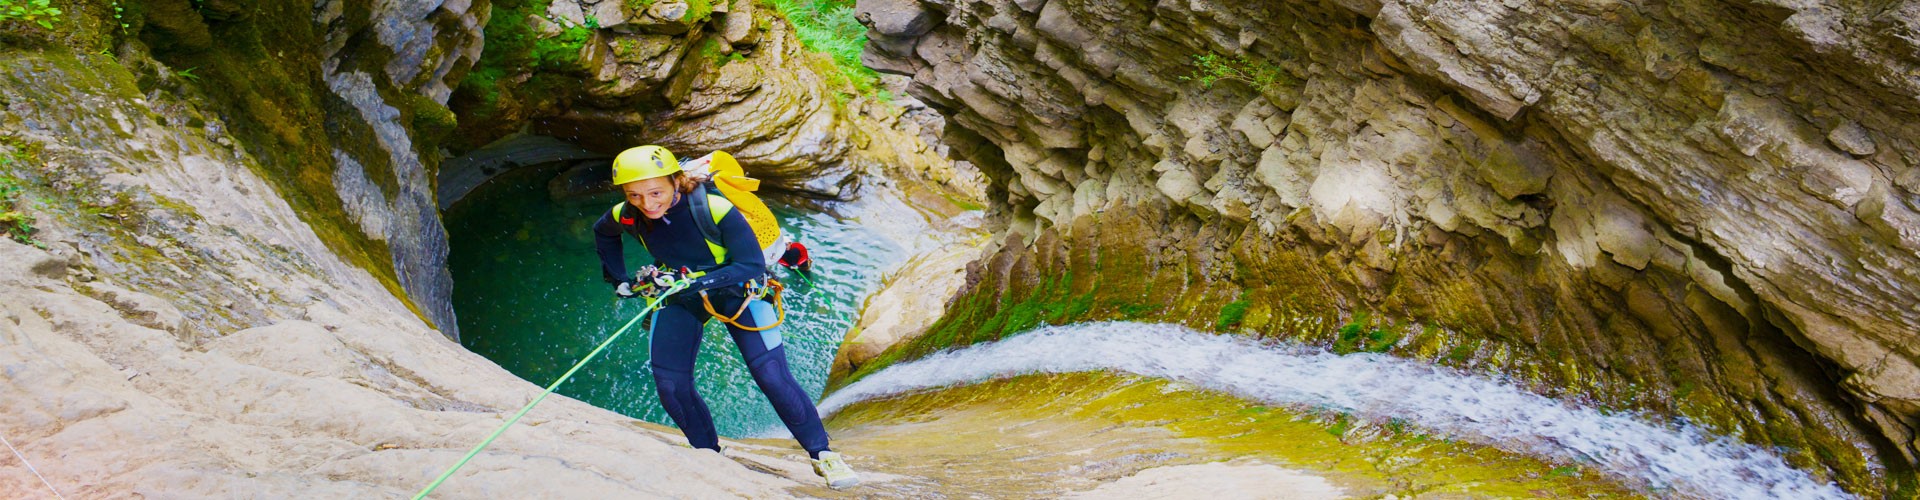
1701,208
185,333
236,280
1093,434
694,76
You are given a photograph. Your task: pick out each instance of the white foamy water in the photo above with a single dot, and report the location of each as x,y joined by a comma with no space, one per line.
1682,459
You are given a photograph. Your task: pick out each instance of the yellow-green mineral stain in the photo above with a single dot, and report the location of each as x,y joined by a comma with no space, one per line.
1045,435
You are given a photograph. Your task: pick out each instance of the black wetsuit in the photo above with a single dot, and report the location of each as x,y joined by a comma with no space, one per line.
675,241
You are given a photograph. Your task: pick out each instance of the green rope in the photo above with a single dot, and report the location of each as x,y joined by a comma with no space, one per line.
651,306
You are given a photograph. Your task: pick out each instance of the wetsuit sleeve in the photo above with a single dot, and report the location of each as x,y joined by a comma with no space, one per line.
744,261
606,240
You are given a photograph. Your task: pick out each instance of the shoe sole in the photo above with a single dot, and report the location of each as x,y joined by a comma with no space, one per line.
843,484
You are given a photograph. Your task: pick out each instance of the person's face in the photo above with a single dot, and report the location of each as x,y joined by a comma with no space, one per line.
653,196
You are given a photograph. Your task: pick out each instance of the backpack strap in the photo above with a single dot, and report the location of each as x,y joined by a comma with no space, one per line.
628,224
617,217
704,200
699,201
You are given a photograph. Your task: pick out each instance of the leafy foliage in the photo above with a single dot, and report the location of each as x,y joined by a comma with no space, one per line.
1232,314
1354,338
829,26
562,52
1211,68
14,223
41,12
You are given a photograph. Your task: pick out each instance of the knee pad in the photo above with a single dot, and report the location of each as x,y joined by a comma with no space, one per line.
768,359
668,379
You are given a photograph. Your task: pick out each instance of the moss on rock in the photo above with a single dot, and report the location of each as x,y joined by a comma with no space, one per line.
1592,348
1122,424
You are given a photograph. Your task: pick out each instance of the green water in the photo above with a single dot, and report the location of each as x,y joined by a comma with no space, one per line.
528,291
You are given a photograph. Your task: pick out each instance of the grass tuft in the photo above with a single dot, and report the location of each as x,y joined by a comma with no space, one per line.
829,27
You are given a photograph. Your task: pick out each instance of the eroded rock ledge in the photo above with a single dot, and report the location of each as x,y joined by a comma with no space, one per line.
236,278
694,76
1705,208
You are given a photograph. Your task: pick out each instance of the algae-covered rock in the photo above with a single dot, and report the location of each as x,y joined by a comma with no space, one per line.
1551,176
189,332
694,76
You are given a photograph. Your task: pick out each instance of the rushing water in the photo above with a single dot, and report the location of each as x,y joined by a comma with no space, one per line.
1676,459
530,297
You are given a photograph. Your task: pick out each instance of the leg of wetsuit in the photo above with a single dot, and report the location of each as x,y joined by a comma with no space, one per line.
767,359
675,345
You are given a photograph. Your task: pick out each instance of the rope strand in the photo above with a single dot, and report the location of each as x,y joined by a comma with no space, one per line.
651,307
36,472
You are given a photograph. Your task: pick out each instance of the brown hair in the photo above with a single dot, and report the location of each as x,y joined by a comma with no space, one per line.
681,182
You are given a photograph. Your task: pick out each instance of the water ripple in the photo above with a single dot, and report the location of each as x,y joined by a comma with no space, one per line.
1679,459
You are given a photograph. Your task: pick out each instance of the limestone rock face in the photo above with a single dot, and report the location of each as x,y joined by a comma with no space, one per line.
1734,186
905,307
694,76
426,44
185,333
238,286
343,102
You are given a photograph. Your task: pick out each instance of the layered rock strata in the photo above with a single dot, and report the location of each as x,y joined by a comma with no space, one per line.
694,76
1703,208
340,101
184,333
235,282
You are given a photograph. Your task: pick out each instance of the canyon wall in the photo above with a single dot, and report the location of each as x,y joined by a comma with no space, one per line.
224,272
174,328
694,76
1708,209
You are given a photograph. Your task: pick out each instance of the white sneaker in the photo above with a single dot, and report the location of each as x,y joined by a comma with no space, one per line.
835,469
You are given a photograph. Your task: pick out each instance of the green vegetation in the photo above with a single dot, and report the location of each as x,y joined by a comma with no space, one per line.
1460,353
698,11
1233,313
1398,426
1289,299
259,76
432,123
1069,420
1356,338
562,52
1342,423
828,26
1211,68
15,224
41,12
709,50
516,47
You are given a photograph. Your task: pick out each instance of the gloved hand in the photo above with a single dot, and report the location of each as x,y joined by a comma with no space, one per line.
656,277
650,281
627,290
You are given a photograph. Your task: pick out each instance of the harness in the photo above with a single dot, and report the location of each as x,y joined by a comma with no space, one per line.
712,202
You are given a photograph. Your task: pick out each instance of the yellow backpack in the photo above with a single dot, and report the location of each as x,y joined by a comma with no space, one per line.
730,181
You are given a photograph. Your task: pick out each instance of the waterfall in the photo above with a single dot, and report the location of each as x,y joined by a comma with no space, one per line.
1678,458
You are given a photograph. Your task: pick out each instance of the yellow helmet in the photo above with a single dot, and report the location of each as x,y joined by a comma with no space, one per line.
642,163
